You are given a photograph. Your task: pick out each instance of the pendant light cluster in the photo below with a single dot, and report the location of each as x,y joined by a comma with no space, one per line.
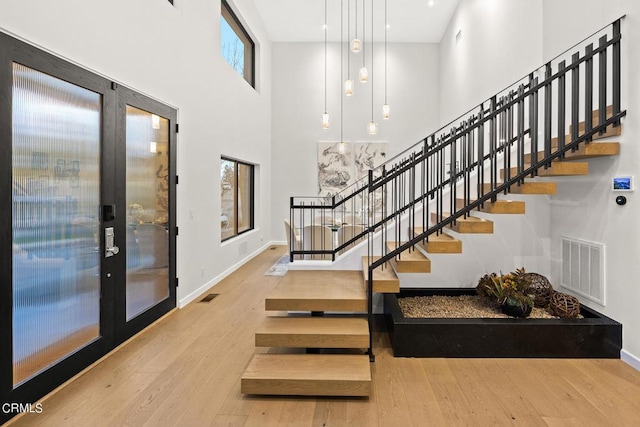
355,46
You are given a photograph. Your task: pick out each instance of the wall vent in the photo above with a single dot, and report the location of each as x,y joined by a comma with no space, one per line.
458,36
583,268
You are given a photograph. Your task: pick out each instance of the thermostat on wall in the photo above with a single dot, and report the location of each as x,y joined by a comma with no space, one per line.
623,183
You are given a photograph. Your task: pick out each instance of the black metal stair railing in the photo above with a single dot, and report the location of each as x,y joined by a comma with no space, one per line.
496,147
472,160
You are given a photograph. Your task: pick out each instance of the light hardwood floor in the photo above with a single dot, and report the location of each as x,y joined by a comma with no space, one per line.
186,371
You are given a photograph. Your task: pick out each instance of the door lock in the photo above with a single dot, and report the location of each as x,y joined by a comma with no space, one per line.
110,249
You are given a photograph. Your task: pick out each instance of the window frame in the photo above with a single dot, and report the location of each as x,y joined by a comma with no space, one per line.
236,189
249,72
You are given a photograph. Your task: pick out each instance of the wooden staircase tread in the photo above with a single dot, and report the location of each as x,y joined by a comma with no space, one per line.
313,332
410,261
556,169
585,151
470,224
318,290
497,207
308,375
531,187
440,243
384,280
610,131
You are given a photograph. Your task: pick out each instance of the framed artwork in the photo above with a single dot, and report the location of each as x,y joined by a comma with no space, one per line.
368,155
335,167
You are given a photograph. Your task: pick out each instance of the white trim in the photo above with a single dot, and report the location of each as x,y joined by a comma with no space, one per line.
630,359
202,289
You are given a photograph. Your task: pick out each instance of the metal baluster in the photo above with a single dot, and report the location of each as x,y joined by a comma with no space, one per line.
575,98
520,126
588,91
602,97
616,70
533,121
547,115
561,106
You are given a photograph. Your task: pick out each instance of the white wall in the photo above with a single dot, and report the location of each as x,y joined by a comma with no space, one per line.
501,43
172,54
298,103
585,208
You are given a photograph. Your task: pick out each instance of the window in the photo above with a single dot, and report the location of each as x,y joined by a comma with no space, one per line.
236,198
235,44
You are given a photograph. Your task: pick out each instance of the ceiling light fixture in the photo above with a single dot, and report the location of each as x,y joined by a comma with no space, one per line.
325,115
341,146
372,128
348,84
364,73
386,110
356,43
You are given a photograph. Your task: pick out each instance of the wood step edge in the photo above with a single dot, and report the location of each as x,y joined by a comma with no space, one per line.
307,375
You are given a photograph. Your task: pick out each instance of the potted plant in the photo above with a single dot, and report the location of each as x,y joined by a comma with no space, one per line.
510,291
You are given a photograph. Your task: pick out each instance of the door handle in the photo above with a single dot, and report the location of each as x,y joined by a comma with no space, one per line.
110,249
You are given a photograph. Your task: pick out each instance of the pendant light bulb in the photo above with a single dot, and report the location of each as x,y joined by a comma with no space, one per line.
372,128
386,111
325,121
364,75
356,45
348,87
341,148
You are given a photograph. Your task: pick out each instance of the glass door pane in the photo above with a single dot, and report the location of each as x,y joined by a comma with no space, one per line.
147,200
56,228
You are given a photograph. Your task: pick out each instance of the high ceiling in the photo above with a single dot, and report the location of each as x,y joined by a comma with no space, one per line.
408,20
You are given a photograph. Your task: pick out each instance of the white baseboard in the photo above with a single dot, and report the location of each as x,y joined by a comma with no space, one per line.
202,289
630,359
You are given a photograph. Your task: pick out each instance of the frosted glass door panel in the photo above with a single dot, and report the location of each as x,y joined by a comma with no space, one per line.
56,197
147,192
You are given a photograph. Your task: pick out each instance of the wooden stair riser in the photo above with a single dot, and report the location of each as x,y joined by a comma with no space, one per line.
440,244
384,278
313,332
410,261
469,225
307,375
556,169
499,207
529,188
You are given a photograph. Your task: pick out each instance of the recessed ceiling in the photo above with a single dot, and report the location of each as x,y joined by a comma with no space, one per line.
408,20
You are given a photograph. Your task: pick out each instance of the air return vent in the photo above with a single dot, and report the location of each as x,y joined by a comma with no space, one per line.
583,268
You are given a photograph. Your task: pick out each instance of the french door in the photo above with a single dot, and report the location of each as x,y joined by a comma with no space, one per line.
87,218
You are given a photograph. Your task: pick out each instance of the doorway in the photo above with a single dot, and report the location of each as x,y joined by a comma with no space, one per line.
87,247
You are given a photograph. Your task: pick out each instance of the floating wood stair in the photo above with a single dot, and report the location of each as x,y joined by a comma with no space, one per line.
440,243
384,280
585,151
410,261
470,224
313,332
610,131
535,187
308,375
325,290
556,169
497,207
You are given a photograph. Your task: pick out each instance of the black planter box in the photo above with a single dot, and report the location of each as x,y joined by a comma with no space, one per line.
595,336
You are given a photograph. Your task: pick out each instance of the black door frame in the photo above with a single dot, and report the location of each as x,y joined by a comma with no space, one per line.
125,329
113,329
